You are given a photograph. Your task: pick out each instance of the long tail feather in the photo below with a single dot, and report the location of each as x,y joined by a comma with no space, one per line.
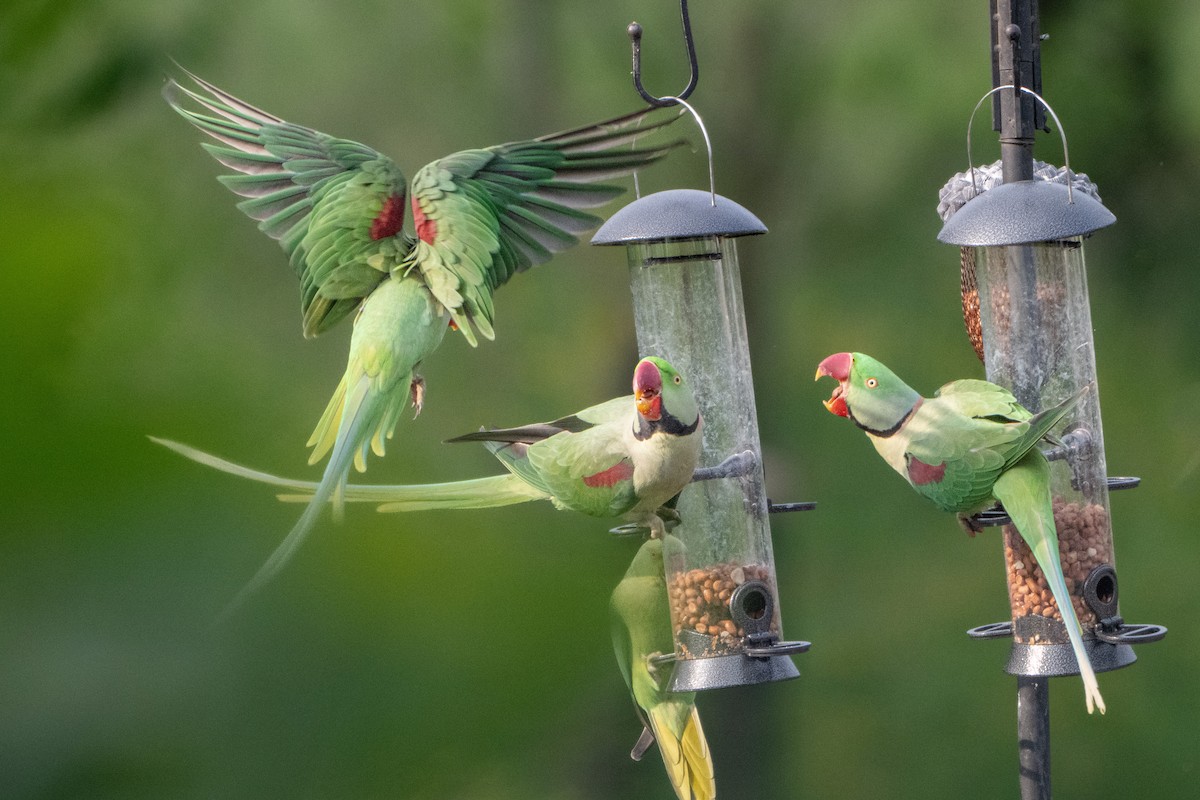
218,463
360,416
687,759
490,492
1025,492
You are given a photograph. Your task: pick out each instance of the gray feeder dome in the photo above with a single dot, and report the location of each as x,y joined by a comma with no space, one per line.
1024,212
678,214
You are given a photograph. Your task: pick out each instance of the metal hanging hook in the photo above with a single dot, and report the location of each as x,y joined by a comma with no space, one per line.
635,37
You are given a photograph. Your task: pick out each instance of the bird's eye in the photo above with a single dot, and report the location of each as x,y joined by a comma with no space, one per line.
872,383
678,380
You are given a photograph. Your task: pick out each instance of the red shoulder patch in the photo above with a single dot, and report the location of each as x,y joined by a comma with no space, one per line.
390,219
426,227
621,471
921,473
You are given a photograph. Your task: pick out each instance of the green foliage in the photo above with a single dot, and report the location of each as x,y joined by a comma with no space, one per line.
466,654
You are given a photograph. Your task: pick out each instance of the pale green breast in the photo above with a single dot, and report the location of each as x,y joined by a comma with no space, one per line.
663,465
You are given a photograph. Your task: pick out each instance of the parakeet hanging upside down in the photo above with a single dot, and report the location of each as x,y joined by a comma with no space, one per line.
965,448
623,458
337,208
641,630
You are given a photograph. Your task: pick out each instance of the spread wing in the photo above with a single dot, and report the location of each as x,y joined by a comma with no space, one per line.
335,206
483,215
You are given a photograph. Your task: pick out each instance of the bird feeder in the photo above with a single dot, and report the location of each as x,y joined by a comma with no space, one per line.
1020,226
687,298
1034,334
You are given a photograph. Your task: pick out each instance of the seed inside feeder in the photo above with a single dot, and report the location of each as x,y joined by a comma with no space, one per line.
700,603
1083,544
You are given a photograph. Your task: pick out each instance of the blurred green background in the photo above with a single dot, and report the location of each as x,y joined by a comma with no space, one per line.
466,654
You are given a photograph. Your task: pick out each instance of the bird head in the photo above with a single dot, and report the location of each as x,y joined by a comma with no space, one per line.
662,396
868,393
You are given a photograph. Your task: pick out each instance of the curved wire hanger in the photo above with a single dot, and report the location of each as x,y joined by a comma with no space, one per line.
680,99
635,37
1018,89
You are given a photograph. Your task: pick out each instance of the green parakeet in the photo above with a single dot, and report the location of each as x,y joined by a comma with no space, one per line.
337,208
965,448
641,630
623,458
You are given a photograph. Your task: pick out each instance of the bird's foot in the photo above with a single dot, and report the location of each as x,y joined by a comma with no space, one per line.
654,661
969,524
658,528
416,393
669,517
652,664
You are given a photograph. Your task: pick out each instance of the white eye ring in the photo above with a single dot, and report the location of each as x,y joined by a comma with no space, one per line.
677,379
872,383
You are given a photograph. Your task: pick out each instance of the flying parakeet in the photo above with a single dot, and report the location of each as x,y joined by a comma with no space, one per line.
965,448
641,630
337,208
623,458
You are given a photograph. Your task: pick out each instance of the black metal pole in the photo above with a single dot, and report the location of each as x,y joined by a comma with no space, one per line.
1016,62
1033,736
1016,55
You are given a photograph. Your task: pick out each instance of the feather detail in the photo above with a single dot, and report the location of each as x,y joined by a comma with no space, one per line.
329,202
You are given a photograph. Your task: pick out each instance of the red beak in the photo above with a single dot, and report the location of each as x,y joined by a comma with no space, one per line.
647,390
836,366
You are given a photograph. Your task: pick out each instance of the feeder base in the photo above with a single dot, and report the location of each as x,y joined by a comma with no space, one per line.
1056,660
722,672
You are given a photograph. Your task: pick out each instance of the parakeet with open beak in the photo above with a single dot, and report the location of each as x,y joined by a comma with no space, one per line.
338,208
641,630
623,458
967,447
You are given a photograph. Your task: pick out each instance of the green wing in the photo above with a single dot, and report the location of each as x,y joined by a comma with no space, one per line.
966,436
609,411
954,458
588,470
619,408
982,399
334,205
483,215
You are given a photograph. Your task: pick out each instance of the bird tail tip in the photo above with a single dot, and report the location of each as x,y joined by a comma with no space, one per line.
1094,700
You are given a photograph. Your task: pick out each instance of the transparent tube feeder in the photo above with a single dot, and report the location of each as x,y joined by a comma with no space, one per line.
1023,252
687,299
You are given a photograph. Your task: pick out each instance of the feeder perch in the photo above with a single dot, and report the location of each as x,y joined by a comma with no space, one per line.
687,300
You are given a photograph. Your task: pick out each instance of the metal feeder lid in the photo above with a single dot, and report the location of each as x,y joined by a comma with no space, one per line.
677,214
1024,212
